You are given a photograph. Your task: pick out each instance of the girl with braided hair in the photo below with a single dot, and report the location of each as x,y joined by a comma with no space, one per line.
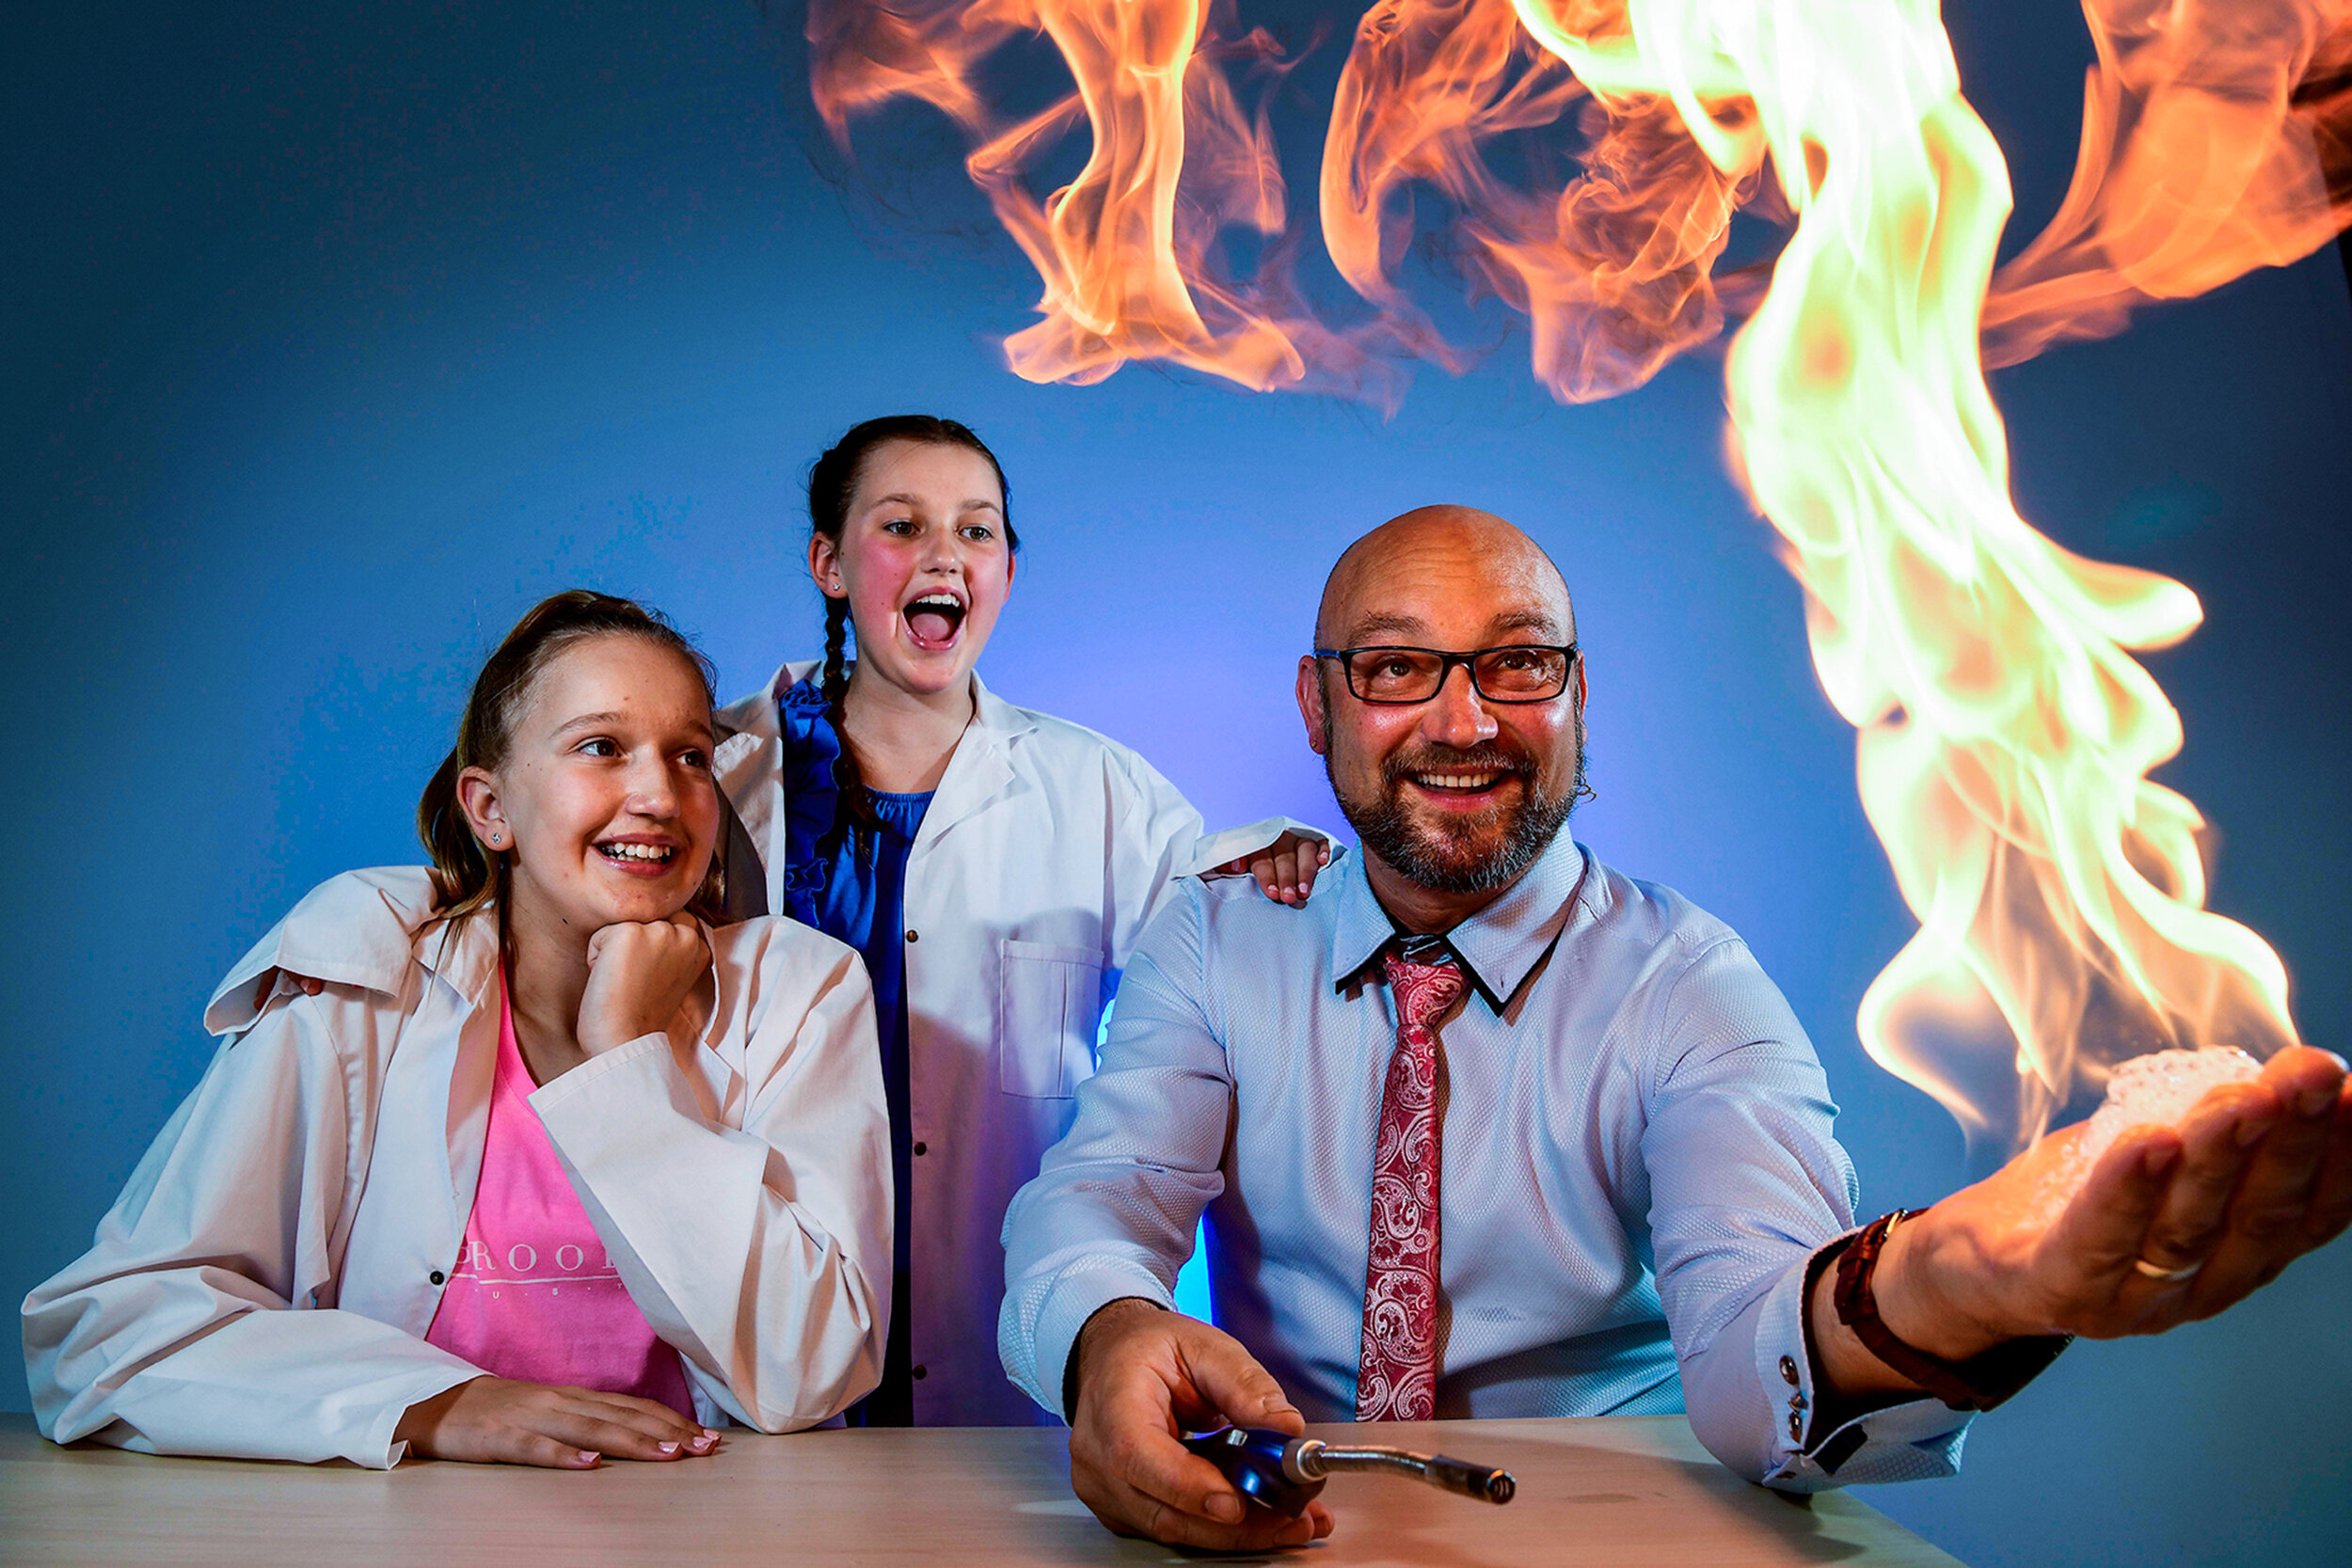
993,865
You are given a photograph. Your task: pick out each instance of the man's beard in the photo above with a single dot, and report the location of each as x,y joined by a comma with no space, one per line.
1431,860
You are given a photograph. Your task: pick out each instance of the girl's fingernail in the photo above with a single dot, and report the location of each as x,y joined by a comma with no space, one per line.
588,1456
2159,1160
666,1450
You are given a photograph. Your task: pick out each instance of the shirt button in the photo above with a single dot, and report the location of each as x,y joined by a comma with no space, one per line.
1796,1427
919,1147
921,1372
1796,1402
915,936
1788,1372
437,1277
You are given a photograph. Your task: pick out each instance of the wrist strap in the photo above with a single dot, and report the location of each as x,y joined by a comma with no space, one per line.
1979,1382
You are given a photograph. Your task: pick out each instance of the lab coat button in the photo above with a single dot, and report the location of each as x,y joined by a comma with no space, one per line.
1788,1372
921,1372
437,1277
915,936
1796,1427
921,1148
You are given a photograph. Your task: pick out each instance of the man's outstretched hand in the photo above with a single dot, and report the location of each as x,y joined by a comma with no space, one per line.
2258,1175
1145,1378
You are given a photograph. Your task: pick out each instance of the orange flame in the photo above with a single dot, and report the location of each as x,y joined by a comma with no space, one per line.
2216,139
1614,270
2006,732
1127,250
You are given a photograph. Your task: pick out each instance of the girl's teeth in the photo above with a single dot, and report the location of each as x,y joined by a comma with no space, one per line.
635,852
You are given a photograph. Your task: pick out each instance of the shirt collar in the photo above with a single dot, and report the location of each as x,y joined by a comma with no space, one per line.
1498,947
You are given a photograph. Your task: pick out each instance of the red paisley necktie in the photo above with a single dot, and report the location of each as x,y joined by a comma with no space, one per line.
1396,1378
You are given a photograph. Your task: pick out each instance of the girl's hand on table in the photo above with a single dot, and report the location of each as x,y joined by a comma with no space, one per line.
1285,869
638,977
495,1420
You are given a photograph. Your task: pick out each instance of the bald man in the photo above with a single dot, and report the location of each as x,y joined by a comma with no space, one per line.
1491,1129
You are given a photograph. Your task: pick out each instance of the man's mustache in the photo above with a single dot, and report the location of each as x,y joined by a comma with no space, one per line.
1486,756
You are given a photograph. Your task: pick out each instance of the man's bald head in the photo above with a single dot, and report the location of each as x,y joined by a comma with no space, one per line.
1372,592
1455,794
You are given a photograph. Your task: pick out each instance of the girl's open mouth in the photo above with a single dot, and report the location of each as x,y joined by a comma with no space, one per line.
933,621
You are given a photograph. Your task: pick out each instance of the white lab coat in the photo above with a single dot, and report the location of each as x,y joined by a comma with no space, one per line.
1043,852
262,1287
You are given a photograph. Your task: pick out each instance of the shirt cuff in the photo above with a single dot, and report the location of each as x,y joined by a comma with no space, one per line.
1214,850
378,1450
1918,1440
1085,1288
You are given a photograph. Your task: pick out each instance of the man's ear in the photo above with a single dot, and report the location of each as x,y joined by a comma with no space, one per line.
1311,700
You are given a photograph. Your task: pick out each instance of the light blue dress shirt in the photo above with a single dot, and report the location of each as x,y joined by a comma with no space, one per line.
1637,1165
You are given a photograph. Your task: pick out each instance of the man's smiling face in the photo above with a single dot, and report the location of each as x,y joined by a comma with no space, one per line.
1456,796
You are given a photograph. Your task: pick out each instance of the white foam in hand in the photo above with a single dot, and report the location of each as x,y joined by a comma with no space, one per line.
2157,1089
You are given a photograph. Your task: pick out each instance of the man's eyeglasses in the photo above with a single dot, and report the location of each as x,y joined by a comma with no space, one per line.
1520,672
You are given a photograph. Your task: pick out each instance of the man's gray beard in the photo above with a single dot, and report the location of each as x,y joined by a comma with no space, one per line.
1386,830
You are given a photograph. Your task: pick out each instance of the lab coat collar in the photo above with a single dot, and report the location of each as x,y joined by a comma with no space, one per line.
981,768
750,758
364,928
1498,947
356,930
747,722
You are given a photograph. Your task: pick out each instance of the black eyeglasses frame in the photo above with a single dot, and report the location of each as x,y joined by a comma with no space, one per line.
1446,661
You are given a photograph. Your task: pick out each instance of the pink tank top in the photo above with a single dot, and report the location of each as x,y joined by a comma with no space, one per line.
534,1296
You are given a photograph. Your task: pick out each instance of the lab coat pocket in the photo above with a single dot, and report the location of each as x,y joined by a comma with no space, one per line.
1048,1002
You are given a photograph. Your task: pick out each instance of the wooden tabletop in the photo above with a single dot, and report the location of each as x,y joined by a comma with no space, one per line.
1623,1491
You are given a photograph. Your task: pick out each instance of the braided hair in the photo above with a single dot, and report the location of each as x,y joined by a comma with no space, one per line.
832,481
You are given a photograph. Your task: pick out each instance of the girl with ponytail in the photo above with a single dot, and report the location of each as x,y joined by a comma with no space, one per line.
993,863
519,1157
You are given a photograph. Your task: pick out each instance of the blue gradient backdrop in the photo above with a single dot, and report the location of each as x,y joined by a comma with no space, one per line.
331,345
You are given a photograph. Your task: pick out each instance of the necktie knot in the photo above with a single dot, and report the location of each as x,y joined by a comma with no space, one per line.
1422,989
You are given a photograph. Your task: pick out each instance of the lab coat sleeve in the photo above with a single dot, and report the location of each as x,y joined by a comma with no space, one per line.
1112,1211
1230,843
1748,1187
1157,837
202,1320
752,1248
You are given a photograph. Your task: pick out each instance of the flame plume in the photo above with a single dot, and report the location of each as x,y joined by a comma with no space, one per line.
1127,250
2006,732
1614,270
2216,139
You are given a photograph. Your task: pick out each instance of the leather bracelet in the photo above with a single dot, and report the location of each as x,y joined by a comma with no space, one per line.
1979,1382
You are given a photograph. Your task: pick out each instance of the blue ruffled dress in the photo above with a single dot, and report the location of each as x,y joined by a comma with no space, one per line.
852,886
